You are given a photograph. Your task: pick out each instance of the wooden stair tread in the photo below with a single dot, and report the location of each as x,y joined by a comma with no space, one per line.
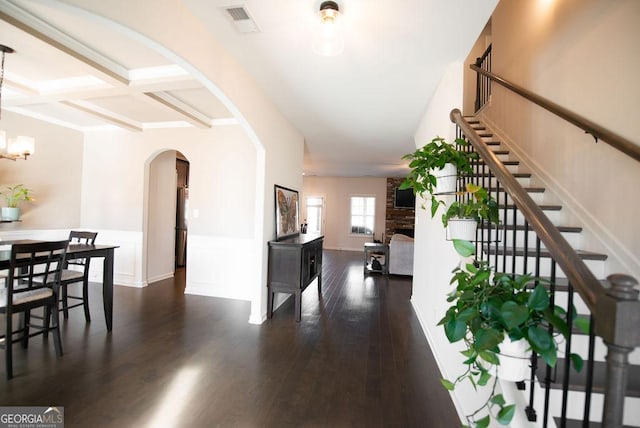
562,283
528,189
567,229
577,380
542,207
519,251
515,174
574,423
505,162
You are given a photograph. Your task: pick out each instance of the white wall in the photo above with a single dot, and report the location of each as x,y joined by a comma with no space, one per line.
583,55
161,217
434,257
337,192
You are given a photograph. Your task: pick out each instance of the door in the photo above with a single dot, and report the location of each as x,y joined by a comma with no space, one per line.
315,214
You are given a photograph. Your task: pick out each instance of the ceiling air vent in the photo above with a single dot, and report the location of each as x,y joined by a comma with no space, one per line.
241,19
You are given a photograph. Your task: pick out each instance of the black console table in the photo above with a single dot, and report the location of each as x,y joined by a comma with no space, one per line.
293,264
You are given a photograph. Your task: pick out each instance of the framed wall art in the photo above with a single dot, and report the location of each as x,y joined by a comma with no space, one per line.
287,212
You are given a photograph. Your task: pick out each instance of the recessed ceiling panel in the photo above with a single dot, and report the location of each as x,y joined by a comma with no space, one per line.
137,109
203,101
61,113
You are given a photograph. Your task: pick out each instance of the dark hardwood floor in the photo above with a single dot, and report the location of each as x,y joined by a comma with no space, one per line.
358,358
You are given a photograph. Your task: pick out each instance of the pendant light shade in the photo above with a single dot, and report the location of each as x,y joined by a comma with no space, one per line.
21,146
328,40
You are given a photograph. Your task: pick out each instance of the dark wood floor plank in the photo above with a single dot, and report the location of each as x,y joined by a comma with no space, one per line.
358,358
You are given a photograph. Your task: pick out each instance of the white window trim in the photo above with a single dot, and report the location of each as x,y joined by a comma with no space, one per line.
362,235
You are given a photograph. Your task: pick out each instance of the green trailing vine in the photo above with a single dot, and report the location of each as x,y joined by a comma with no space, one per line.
486,306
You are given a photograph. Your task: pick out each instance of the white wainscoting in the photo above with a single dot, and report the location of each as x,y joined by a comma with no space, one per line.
220,267
217,267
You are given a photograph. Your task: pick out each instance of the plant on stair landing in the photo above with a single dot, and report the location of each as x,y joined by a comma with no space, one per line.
488,308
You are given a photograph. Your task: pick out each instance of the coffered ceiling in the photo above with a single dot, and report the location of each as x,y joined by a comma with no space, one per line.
357,111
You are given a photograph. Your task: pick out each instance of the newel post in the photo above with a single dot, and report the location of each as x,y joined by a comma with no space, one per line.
618,323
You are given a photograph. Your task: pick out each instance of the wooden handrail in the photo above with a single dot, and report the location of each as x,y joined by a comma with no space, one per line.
597,131
579,275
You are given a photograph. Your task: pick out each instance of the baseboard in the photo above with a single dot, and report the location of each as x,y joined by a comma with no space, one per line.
361,249
432,345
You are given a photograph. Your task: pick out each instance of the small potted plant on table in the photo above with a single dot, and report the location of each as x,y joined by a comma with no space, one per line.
13,196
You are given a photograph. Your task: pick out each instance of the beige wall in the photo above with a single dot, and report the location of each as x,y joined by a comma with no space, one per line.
583,55
337,192
222,178
470,76
53,172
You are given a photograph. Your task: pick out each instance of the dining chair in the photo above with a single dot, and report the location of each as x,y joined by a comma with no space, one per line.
33,281
77,270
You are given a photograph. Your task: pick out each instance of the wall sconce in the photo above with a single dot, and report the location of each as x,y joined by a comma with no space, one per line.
21,146
328,40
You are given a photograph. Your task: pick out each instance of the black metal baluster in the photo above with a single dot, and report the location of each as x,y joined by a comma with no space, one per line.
525,252
491,226
514,240
567,361
547,376
589,368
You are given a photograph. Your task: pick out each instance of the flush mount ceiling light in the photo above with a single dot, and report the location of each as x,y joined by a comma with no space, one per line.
328,40
21,146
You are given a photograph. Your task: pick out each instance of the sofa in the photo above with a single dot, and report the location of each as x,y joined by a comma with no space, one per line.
401,254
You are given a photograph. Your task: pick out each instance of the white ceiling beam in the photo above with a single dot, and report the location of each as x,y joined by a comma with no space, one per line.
87,94
105,115
108,69
189,113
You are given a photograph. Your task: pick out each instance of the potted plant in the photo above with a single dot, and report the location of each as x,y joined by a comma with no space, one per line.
462,217
488,311
13,196
435,164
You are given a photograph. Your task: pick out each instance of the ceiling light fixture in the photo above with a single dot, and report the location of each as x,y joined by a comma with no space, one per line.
328,40
21,146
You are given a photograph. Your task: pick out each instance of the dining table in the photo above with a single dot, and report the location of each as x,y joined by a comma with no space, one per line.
77,251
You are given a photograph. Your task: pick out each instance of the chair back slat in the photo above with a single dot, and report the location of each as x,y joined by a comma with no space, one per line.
34,266
84,238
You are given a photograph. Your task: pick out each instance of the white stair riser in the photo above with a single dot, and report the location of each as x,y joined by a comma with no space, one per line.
491,182
572,238
554,216
596,266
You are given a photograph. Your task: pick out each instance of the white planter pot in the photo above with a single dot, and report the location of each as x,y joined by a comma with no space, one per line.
447,178
515,364
10,213
462,228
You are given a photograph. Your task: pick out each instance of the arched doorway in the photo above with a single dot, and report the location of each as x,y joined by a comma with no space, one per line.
166,225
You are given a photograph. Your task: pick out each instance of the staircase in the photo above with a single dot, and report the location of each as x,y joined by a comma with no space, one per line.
552,399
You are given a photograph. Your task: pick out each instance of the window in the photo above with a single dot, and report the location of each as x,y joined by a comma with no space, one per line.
314,214
363,214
